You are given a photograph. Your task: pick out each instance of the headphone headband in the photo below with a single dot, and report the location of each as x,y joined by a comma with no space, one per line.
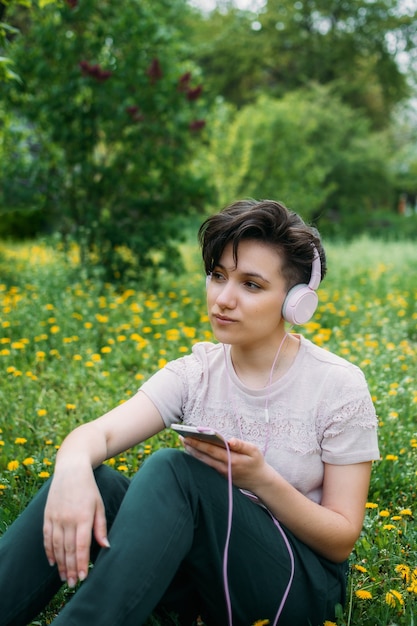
315,277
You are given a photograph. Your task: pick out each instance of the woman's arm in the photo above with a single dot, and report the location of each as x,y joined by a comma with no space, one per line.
330,528
74,507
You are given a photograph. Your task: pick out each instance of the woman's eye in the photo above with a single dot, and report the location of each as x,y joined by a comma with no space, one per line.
253,286
217,276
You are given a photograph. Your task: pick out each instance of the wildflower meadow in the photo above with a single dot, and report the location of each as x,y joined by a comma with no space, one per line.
72,347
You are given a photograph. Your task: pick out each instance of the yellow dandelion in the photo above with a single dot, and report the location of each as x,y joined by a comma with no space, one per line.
12,465
2,487
47,461
70,407
122,468
391,457
406,512
371,505
105,349
393,598
28,461
44,474
360,568
20,441
18,345
389,527
261,622
404,571
327,623
362,594
41,412
413,587
384,513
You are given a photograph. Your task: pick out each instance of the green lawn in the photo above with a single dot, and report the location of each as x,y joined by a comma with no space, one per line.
71,348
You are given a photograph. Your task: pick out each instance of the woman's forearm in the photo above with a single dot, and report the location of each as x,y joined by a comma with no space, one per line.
328,531
121,428
85,445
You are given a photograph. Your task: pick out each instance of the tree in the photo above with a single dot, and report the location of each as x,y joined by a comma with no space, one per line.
352,45
6,32
306,149
115,109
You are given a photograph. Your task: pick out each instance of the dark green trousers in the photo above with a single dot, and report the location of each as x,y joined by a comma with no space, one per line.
167,534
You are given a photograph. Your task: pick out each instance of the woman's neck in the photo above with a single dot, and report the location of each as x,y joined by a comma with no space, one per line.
258,367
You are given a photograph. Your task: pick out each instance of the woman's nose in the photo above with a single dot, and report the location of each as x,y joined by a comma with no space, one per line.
226,298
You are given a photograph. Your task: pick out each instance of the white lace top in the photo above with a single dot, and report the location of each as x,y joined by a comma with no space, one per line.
320,410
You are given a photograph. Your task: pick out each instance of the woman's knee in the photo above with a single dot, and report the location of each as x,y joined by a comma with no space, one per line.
162,460
166,467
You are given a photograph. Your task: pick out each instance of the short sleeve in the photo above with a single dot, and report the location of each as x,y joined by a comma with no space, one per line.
166,391
349,430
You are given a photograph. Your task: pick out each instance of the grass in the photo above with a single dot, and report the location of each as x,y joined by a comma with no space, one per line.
71,348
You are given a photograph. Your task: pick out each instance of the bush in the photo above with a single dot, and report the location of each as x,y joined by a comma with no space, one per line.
111,96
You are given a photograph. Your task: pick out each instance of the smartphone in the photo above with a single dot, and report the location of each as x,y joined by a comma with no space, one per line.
199,432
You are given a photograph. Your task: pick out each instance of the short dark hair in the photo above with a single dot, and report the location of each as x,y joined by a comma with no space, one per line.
267,221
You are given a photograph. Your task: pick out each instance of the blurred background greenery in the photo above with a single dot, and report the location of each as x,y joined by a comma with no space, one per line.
123,123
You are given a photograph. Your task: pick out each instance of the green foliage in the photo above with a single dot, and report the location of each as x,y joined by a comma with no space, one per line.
308,148
112,101
6,33
287,45
70,350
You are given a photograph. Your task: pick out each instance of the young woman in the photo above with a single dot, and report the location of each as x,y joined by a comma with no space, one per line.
260,529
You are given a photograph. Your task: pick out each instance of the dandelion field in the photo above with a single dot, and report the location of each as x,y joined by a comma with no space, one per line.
71,348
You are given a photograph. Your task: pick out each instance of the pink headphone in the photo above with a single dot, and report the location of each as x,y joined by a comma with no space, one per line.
301,301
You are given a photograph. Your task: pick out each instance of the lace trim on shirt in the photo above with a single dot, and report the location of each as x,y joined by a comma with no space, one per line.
353,414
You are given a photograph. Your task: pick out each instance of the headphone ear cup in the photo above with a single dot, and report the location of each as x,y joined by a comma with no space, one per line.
300,304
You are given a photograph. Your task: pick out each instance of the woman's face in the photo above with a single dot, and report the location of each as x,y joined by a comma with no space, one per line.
244,302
